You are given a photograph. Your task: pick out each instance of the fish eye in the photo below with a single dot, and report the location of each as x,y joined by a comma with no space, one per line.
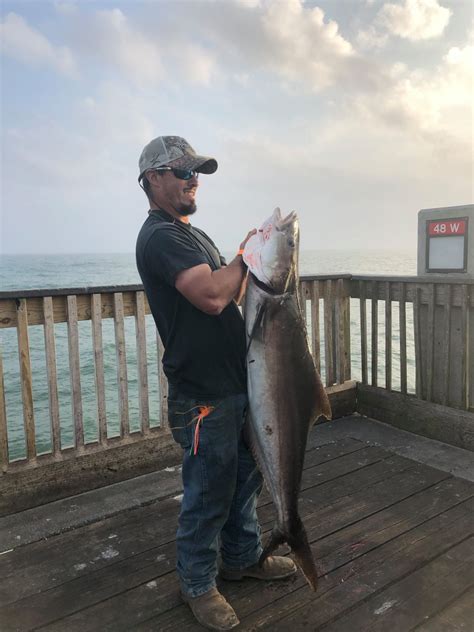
291,242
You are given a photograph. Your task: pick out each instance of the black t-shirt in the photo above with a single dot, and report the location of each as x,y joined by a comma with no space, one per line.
204,355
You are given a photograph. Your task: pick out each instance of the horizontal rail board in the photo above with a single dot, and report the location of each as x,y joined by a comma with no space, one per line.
9,317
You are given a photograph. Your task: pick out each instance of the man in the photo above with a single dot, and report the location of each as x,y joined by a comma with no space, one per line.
193,296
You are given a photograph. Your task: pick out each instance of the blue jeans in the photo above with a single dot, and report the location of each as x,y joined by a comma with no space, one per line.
221,483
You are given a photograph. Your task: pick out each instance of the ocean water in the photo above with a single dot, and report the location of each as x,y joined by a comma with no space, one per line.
67,271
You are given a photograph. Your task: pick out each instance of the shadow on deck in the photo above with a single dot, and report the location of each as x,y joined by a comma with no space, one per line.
392,537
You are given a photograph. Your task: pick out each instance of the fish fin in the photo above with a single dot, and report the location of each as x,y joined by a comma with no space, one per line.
324,407
256,324
298,540
277,537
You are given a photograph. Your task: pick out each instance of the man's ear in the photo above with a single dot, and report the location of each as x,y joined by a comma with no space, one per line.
153,177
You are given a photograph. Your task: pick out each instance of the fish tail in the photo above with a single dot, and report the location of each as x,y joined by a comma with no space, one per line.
277,537
298,541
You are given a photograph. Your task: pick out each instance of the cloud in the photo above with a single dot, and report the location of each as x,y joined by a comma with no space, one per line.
415,19
109,36
429,103
98,142
24,43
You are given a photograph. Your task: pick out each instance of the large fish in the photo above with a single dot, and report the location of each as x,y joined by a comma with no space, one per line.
286,395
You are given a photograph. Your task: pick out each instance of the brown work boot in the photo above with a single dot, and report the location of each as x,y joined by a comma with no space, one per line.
273,567
212,610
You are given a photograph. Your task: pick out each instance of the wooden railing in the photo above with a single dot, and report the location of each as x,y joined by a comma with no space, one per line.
335,324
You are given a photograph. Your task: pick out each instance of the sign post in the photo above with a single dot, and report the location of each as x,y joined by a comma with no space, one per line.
446,255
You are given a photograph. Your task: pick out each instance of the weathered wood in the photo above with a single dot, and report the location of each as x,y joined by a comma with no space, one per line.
418,346
408,412
35,315
316,342
342,398
363,333
363,579
375,335
464,348
97,341
3,422
26,378
446,352
51,370
453,618
75,372
412,284
122,378
340,318
162,386
328,333
403,340
388,336
346,318
142,363
434,585
25,487
91,597
430,342
302,298
35,308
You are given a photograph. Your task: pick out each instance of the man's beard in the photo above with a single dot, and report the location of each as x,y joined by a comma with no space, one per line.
187,209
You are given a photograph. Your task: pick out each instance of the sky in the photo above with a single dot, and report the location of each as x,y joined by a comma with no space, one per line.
354,113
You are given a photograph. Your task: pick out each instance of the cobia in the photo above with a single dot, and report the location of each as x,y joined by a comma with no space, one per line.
286,395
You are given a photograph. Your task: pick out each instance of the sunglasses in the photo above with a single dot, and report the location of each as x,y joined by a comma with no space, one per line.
181,174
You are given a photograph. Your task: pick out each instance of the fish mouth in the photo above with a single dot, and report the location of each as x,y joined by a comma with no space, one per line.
282,222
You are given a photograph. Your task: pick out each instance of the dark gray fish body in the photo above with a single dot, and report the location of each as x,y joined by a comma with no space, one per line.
286,397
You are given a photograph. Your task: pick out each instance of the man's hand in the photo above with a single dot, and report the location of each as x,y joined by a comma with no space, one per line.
251,234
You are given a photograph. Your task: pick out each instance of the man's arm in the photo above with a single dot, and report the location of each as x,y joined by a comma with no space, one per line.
211,291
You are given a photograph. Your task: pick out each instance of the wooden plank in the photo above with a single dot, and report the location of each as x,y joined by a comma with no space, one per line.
125,580
51,370
35,297
339,314
122,378
26,378
375,335
456,617
465,343
446,350
142,363
388,336
303,296
418,345
3,422
75,372
328,333
97,342
263,608
430,343
315,325
403,339
162,386
28,486
349,586
363,332
346,317
449,425
414,598
412,284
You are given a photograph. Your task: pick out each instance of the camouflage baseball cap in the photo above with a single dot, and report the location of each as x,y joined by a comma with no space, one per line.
173,151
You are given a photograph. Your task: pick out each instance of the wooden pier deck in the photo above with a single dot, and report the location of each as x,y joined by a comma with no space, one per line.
393,539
